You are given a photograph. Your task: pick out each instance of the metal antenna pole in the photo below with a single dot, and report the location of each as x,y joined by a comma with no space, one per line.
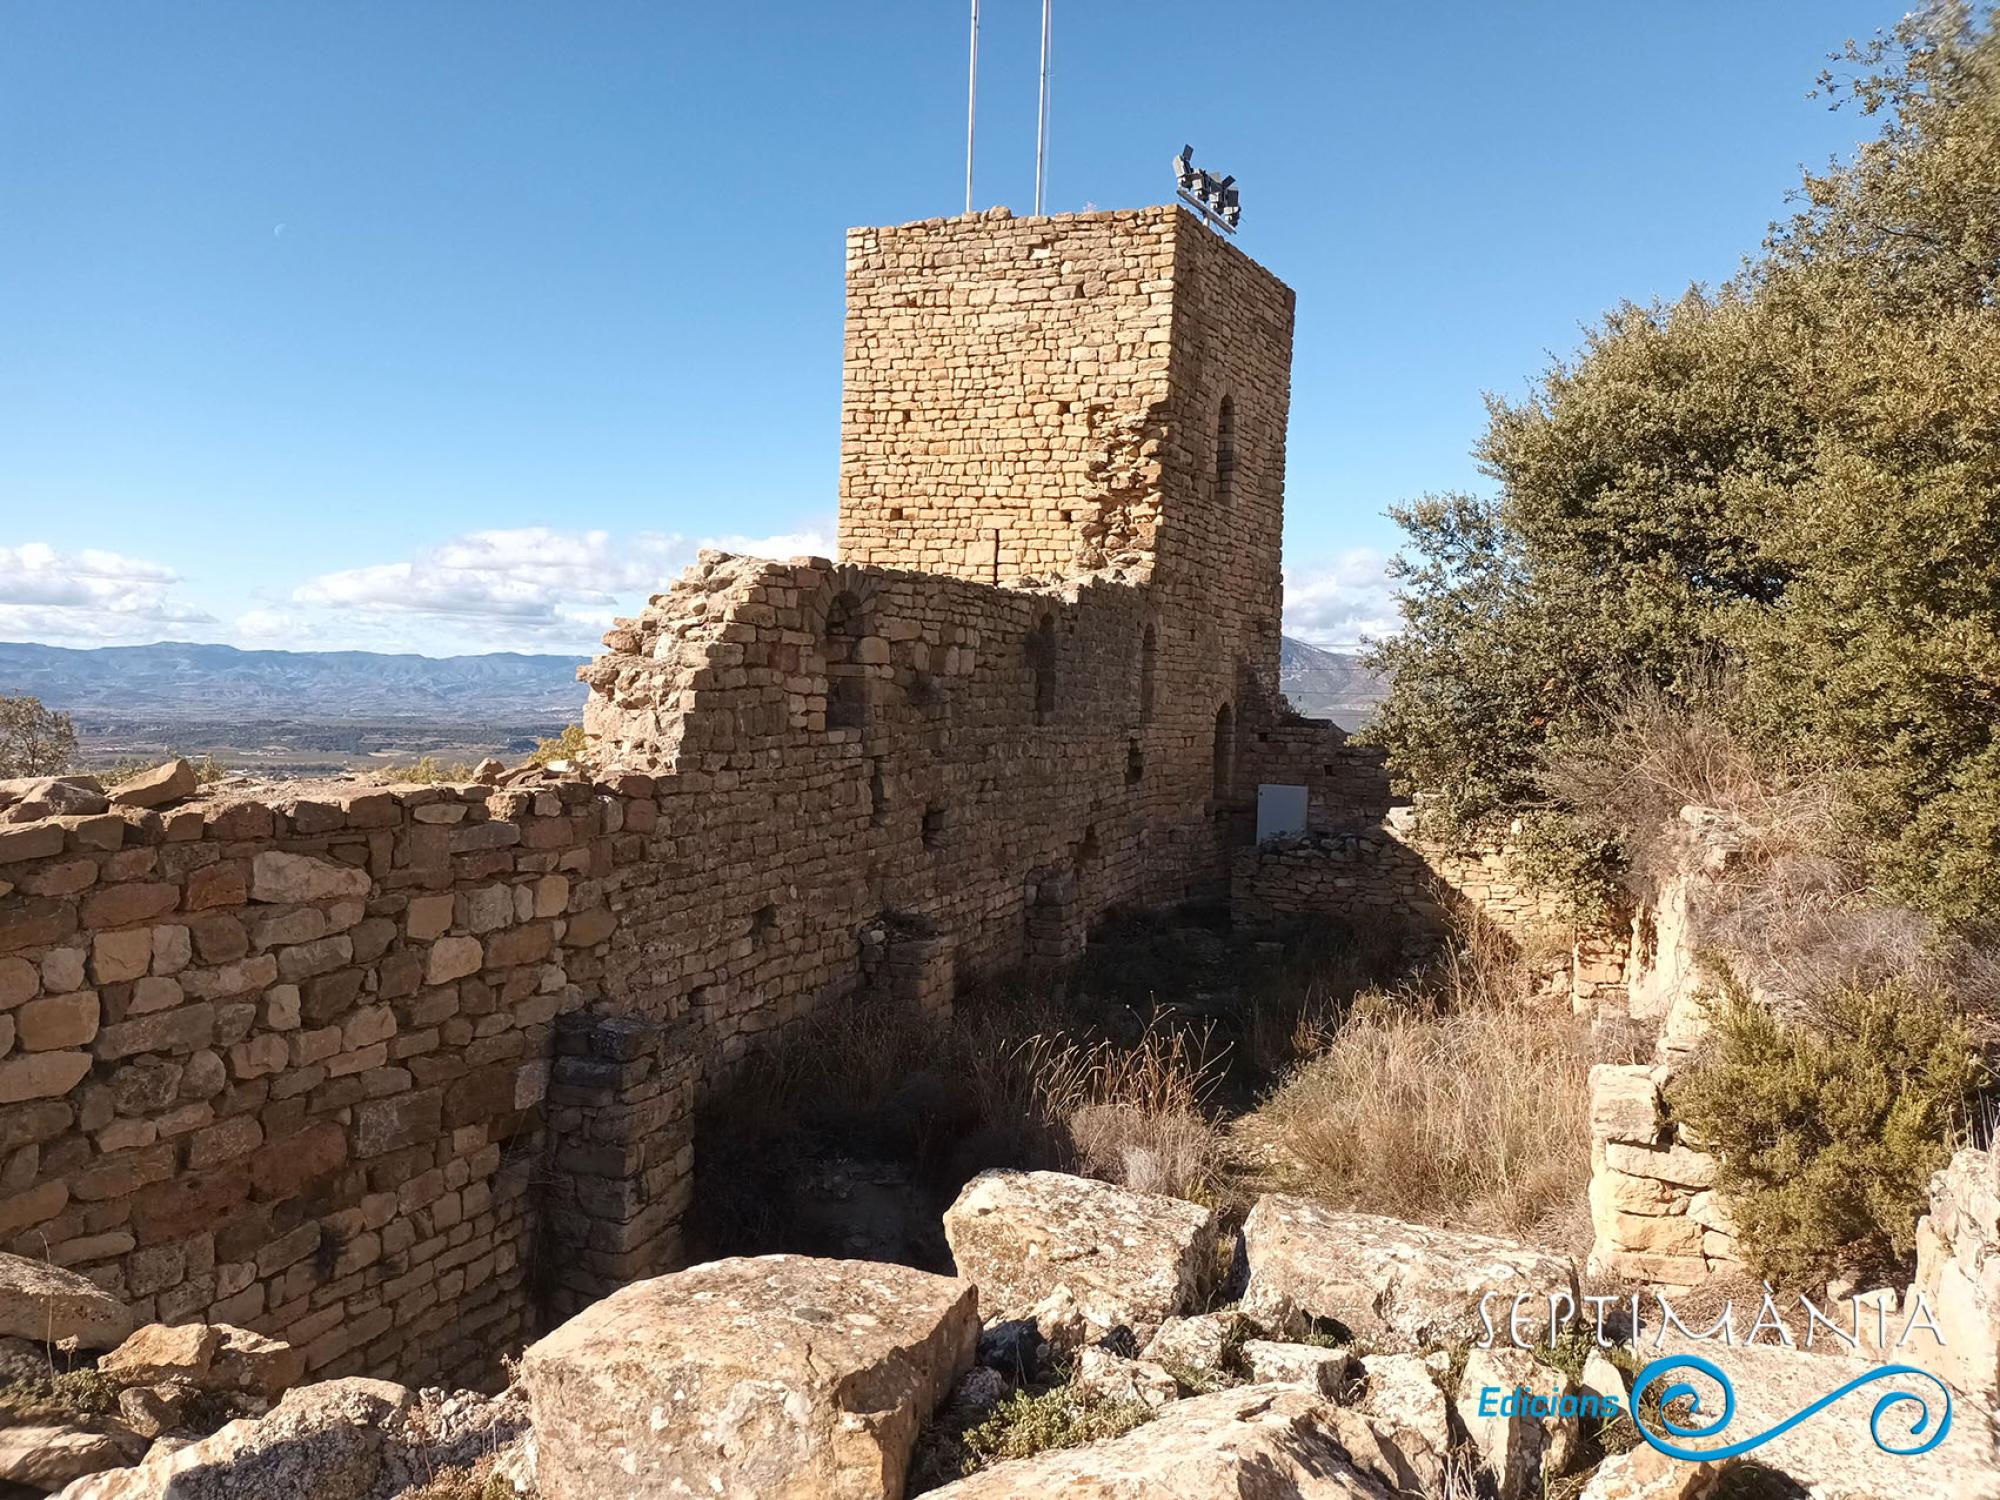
1042,112
971,102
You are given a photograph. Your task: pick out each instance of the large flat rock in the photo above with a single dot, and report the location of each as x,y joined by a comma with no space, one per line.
322,1442
781,1377
1391,1283
1833,1454
1128,1259
46,1304
1249,1443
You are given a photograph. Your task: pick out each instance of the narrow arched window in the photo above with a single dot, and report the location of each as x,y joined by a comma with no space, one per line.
846,676
1225,750
1149,650
1225,454
1042,658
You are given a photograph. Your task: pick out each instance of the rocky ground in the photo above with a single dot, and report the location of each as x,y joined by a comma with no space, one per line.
1097,1342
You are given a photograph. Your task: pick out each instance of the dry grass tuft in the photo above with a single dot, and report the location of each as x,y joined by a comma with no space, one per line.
1009,1081
1454,1101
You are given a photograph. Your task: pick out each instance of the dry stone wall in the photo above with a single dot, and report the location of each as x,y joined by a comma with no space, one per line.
281,1063
1379,869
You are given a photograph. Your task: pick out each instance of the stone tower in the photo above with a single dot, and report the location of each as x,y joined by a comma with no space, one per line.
1060,397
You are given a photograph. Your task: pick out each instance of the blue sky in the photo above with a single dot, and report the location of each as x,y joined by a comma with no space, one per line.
446,326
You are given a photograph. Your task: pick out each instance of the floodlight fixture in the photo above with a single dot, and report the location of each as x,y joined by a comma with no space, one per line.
1214,198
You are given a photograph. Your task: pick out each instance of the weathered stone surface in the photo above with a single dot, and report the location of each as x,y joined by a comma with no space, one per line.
1201,1344
1958,1272
1647,1474
322,1442
278,876
1401,1424
1243,1444
47,1458
1835,1454
1324,1372
251,1363
779,1378
1625,1103
25,799
41,1075
1129,1259
44,1303
1391,1281
158,1352
1512,1447
157,787
1117,1378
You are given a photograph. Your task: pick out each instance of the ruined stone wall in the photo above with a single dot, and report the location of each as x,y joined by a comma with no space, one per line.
393,1073
281,1063
999,749
1347,785
1376,870
1653,1209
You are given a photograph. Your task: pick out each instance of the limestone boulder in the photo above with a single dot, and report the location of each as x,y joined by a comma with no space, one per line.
254,1364
1400,1430
1646,1474
1396,1285
28,798
1129,1259
1202,1344
1835,1454
322,1442
1320,1370
1253,1441
157,787
46,1304
208,1357
780,1377
159,1352
43,1457
1117,1378
1512,1444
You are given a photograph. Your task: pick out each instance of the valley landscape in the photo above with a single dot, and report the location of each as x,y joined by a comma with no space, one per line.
322,713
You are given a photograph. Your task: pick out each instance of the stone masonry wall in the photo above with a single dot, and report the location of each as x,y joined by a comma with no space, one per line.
282,1063
395,1073
398,1073
1378,869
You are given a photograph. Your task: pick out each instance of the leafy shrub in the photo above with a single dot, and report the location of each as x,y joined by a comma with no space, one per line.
1031,1422
59,1395
428,771
569,745
1830,1127
34,741
1792,475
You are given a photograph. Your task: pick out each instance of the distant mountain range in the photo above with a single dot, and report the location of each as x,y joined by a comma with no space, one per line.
1324,684
176,678
179,680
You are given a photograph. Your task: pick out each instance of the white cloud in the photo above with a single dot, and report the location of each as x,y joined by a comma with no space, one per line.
90,597
530,588
1341,600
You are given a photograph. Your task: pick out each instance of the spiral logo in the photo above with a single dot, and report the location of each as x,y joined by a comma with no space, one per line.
1661,1369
